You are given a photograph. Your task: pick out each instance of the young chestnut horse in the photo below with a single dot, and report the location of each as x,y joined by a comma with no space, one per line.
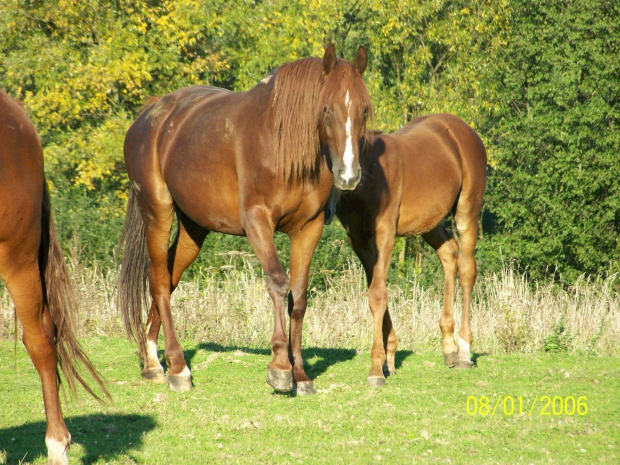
34,272
246,163
412,179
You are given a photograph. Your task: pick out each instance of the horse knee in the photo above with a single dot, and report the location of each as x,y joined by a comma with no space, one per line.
277,285
446,324
377,298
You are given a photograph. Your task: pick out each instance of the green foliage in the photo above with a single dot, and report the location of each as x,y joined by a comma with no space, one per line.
512,333
559,340
553,192
539,80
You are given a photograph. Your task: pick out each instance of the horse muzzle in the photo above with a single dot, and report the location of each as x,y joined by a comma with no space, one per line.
347,182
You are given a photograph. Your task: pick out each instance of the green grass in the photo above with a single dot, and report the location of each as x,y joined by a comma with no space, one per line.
232,416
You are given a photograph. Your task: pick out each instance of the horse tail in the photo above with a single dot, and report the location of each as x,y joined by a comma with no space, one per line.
62,304
132,280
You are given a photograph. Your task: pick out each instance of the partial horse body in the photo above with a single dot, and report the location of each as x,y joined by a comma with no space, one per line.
243,163
412,180
34,272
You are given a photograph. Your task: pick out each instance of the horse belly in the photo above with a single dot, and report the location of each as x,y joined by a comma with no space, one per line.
421,217
425,203
209,197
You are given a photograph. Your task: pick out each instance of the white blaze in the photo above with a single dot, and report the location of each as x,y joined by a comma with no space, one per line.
348,156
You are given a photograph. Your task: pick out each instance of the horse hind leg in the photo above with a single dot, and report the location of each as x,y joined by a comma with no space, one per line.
467,226
448,251
182,252
375,254
368,254
23,283
157,212
390,344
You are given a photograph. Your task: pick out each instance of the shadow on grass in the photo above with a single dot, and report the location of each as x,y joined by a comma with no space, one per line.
400,357
321,359
325,357
475,356
102,436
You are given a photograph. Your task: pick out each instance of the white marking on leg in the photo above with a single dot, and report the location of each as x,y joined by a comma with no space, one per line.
57,451
348,156
464,353
151,355
184,372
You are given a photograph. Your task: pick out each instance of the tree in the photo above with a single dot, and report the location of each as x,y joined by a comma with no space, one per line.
554,193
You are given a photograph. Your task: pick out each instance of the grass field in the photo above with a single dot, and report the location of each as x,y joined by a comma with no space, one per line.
232,416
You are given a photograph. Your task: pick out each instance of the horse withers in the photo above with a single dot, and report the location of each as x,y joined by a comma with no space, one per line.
34,271
413,179
243,163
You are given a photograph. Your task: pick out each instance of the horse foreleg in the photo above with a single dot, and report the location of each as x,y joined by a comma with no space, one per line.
259,229
24,286
447,249
303,244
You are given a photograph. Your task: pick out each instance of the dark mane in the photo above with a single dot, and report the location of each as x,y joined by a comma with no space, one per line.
301,91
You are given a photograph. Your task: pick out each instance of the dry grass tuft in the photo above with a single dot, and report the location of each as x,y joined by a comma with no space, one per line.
230,306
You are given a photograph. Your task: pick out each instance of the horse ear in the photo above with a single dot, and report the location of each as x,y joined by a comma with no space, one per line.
361,59
329,59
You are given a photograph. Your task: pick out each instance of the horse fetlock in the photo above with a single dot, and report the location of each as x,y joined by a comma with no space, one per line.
57,450
464,355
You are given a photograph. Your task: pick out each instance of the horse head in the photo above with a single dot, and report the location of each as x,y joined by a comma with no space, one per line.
345,109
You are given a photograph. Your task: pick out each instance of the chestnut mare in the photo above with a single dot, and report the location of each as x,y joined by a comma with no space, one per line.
34,271
243,163
412,180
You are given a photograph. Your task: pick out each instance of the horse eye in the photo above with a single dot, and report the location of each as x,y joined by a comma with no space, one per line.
325,109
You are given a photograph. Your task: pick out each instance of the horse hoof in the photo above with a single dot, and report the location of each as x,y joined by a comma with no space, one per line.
180,383
154,375
376,381
280,380
450,359
305,388
463,364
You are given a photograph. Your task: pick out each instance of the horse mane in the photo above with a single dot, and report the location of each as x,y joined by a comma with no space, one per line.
301,90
